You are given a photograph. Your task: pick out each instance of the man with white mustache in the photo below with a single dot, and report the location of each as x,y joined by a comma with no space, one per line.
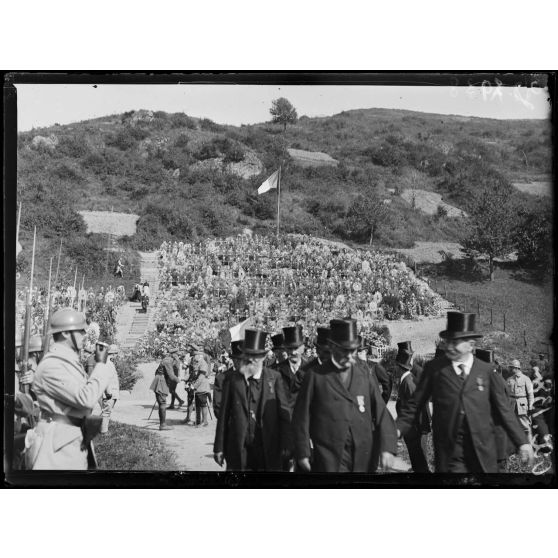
339,410
468,397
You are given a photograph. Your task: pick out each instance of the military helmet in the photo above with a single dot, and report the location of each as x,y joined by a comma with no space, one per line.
67,319
36,344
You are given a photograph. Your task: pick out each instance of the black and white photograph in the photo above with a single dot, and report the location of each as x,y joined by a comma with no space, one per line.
280,279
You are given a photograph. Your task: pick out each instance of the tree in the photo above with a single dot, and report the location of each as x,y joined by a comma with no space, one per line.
366,215
493,221
534,237
283,112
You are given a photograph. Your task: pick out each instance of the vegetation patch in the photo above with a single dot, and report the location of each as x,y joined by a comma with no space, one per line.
129,448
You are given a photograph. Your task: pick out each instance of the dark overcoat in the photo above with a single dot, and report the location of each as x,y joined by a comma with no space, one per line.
291,382
273,416
481,399
325,410
407,388
384,379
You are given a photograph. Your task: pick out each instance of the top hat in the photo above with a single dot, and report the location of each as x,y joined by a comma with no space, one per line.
254,342
460,325
323,334
293,336
487,355
404,346
236,348
344,334
278,341
403,358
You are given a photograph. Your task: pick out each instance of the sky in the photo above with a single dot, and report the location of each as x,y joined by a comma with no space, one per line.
46,104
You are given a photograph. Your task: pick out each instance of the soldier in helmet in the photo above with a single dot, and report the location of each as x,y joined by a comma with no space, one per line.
66,397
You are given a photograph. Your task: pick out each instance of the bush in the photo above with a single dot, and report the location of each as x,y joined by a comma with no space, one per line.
126,367
210,126
123,139
180,120
207,151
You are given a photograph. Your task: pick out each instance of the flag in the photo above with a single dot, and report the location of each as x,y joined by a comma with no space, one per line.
237,331
270,183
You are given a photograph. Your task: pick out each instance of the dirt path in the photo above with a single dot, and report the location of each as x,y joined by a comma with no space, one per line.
192,445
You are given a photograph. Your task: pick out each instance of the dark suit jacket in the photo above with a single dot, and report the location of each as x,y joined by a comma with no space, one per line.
406,390
325,410
170,365
232,425
218,390
384,379
483,400
291,382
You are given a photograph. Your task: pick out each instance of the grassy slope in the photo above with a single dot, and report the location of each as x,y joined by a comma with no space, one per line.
528,307
129,448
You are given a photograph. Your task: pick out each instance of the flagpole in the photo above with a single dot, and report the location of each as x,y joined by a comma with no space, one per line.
18,221
278,198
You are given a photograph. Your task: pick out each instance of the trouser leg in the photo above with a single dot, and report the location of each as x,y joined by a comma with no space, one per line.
416,453
204,416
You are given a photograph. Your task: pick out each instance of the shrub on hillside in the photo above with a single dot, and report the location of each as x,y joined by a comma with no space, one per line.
181,120
73,146
208,125
123,139
181,141
207,150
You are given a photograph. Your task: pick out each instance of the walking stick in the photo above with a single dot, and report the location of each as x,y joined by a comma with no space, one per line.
152,409
209,410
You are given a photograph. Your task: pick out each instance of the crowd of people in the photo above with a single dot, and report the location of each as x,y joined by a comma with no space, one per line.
210,286
99,306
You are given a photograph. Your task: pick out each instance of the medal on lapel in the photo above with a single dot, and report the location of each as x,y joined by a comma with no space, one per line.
270,384
480,385
360,401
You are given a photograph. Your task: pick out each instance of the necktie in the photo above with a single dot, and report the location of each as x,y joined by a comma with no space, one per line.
463,376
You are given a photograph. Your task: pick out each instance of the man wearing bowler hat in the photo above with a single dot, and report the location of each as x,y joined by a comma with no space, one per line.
465,394
416,437
339,408
253,426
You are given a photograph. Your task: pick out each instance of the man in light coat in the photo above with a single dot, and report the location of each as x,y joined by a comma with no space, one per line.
66,396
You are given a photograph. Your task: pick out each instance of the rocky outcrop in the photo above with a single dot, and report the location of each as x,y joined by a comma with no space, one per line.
49,142
312,158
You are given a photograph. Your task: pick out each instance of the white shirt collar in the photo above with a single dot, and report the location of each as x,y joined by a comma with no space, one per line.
404,375
468,365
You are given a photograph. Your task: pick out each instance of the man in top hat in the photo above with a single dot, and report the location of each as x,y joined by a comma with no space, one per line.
340,408
253,431
290,369
465,395
322,349
278,349
221,376
521,391
504,446
415,439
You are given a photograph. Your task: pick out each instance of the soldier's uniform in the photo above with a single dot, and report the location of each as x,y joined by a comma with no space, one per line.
66,396
521,391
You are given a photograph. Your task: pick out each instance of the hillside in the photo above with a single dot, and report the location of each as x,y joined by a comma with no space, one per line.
188,178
